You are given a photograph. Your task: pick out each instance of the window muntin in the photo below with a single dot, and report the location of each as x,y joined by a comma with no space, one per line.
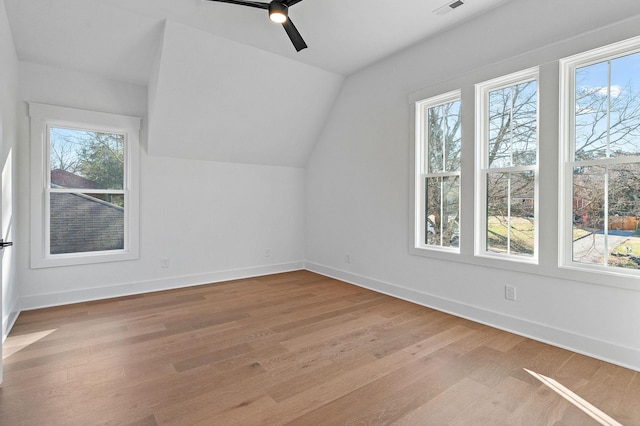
438,148
507,124
84,188
601,160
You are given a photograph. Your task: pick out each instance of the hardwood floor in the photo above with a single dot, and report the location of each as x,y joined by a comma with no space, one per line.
295,348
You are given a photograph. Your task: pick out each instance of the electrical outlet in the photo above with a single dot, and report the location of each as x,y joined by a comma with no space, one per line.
164,262
347,258
509,292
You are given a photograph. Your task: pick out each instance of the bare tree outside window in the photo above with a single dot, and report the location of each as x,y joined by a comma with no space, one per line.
442,178
511,157
606,163
86,200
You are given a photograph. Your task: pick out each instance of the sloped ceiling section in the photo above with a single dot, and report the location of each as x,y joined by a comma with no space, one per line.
86,36
214,99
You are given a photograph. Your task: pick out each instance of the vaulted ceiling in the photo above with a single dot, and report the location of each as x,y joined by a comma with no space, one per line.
117,38
224,83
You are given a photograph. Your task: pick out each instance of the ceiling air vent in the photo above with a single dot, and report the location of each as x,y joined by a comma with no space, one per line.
448,7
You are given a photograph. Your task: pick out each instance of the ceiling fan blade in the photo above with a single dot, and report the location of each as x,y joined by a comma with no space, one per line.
290,3
294,35
255,4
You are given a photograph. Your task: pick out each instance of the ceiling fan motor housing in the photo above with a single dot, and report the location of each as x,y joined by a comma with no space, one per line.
278,12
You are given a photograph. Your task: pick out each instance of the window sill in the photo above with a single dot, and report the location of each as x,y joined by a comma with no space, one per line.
82,259
545,267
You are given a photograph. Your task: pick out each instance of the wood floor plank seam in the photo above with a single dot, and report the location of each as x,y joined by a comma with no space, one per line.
292,348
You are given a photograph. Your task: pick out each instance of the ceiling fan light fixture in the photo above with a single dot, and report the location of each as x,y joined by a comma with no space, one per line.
278,12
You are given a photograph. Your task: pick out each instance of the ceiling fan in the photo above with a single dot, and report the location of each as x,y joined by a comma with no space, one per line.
278,13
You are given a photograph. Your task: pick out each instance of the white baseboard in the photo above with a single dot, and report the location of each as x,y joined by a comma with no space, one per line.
602,350
85,295
9,320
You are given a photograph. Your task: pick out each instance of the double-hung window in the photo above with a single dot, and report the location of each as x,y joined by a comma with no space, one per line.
600,136
438,149
84,187
507,167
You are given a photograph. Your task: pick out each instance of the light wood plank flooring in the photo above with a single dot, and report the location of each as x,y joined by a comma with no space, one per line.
295,348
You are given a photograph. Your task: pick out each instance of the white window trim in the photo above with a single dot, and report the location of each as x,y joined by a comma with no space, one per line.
42,118
567,120
549,180
420,167
482,99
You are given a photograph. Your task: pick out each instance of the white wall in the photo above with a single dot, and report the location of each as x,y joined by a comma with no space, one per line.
213,221
8,141
234,103
359,182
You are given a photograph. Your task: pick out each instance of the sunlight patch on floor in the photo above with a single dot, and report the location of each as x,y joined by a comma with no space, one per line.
567,394
14,344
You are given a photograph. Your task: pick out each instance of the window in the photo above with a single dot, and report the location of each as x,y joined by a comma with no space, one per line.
507,167
84,188
438,148
600,93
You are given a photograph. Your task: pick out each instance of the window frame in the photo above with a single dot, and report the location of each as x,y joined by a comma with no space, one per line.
421,172
482,91
567,67
43,117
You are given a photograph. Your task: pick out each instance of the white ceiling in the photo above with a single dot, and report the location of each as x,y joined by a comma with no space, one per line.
118,38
